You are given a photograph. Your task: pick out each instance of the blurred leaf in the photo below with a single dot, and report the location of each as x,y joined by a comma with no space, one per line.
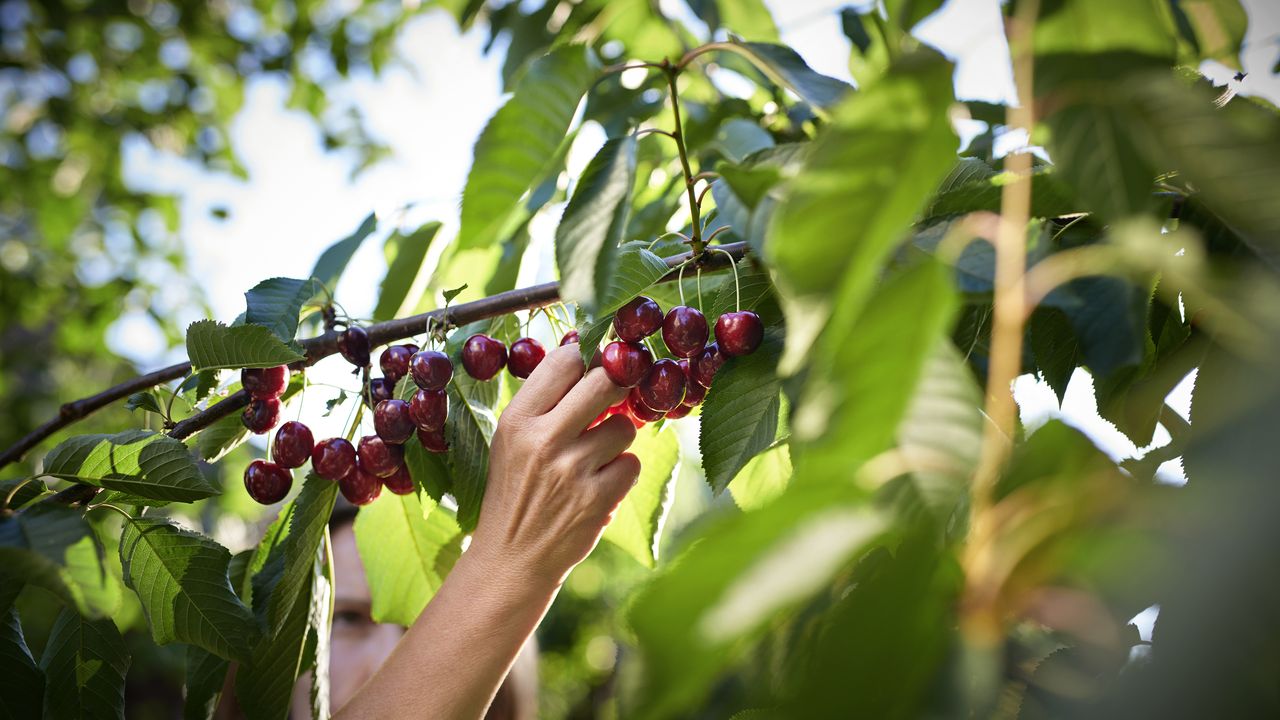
740,414
1215,28
593,222
21,682
1099,156
84,664
1099,26
973,185
139,462
748,19
333,261
52,547
212,345
286,574
15,494
518,141
402,582
449,295
405,255
1108,316
276,304
747,193
637,523
784,66
753,291
181,579
763,479
853,27
205,675
738,138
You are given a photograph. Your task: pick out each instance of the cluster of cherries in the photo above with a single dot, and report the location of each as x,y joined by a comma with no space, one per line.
671,388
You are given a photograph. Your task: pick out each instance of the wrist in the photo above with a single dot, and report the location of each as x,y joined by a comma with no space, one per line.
503,565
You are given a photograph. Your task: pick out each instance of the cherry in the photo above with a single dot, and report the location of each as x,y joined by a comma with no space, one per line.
626,363
392,422
400,482
640,411
739,333
428,409
694,392
483,357
707,363
637,320
333,459
378,457
526,353
353,343
379,389
662,388
433,441
261,415
680,411
569,337
684,330
431,370
394,362
263,383
267,482
360,487
293,445
413,349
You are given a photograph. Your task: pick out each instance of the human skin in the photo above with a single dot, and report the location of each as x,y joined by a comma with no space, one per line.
553,486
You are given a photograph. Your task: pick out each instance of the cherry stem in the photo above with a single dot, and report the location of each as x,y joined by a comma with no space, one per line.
680,283
9,498
717,231
672,73
737,291
653,131
109,506
700,305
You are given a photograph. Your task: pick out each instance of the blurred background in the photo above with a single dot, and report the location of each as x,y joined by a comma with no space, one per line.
157,159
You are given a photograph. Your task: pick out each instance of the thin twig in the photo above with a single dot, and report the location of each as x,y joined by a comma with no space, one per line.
696,243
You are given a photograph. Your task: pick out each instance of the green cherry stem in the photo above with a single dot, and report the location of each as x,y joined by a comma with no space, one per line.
737,290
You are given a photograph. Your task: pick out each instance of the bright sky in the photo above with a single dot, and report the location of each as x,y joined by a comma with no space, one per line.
299,198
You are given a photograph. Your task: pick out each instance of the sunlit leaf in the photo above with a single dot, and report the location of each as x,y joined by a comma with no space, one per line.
740,413
286,574
402,582
637,523
593,223
405,254
276,304
762,479
138,462
212,345
52,547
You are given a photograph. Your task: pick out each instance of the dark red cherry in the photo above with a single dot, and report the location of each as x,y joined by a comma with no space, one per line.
353,343
333,459
637,320
694,393
483,357
680,411
263,383
433,441
379,389
638,409
413,349
377,457
360,487
394,362
431,370
684,330
261,415
293,445
428,409
399,482
525,355
392,422
662,388
626,363
739,333
267,482
569,337
705,366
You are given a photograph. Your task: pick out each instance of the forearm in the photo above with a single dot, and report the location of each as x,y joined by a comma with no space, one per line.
451,661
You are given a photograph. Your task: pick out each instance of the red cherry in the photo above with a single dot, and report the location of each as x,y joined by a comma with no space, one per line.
360,487
333,459
261,415
739,333
569,337
433,441
379,389
394,362
263,383
694,393
626,363
293,445
526,353
684,330
662,388
377,457
705,366
267,482
400,482
680,411
640,411
431,370
429,408
353,343
392,422
483,357
413,349
637,320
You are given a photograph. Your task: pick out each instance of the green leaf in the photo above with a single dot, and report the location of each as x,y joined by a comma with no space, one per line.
1109,318
469,428
973,185
748,193
1215,28
333,261
54,548
763,479
449,295
212,345
753,291
145,400
1053,343
402,582
16,494
785,67
276,304
1099,155
84,664
205,675
286,573
853,27
635,271
740,414
181,578
21,682
202,383
405,255
637,523
737,576
519,140
749,19
593,222
139,462
739,137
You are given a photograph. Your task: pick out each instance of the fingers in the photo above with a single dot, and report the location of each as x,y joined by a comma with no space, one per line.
586,400
558,372
607,440
618,477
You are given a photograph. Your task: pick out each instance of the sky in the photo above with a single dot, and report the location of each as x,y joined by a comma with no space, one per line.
430,109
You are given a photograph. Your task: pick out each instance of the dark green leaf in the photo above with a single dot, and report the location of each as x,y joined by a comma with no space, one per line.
54,548
212,345
973,185
334,260
593,222
635,271
1099,155
753,291
740,414
145,400
21,682
785,67
15,494
637,523
84,664
1108,317
852,25
205,676
138,462
449,295
286,574
402,582
405,254
469,429
276,304
1214,28
202,383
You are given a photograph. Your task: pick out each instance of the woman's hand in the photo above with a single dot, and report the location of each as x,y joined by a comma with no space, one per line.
553,484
